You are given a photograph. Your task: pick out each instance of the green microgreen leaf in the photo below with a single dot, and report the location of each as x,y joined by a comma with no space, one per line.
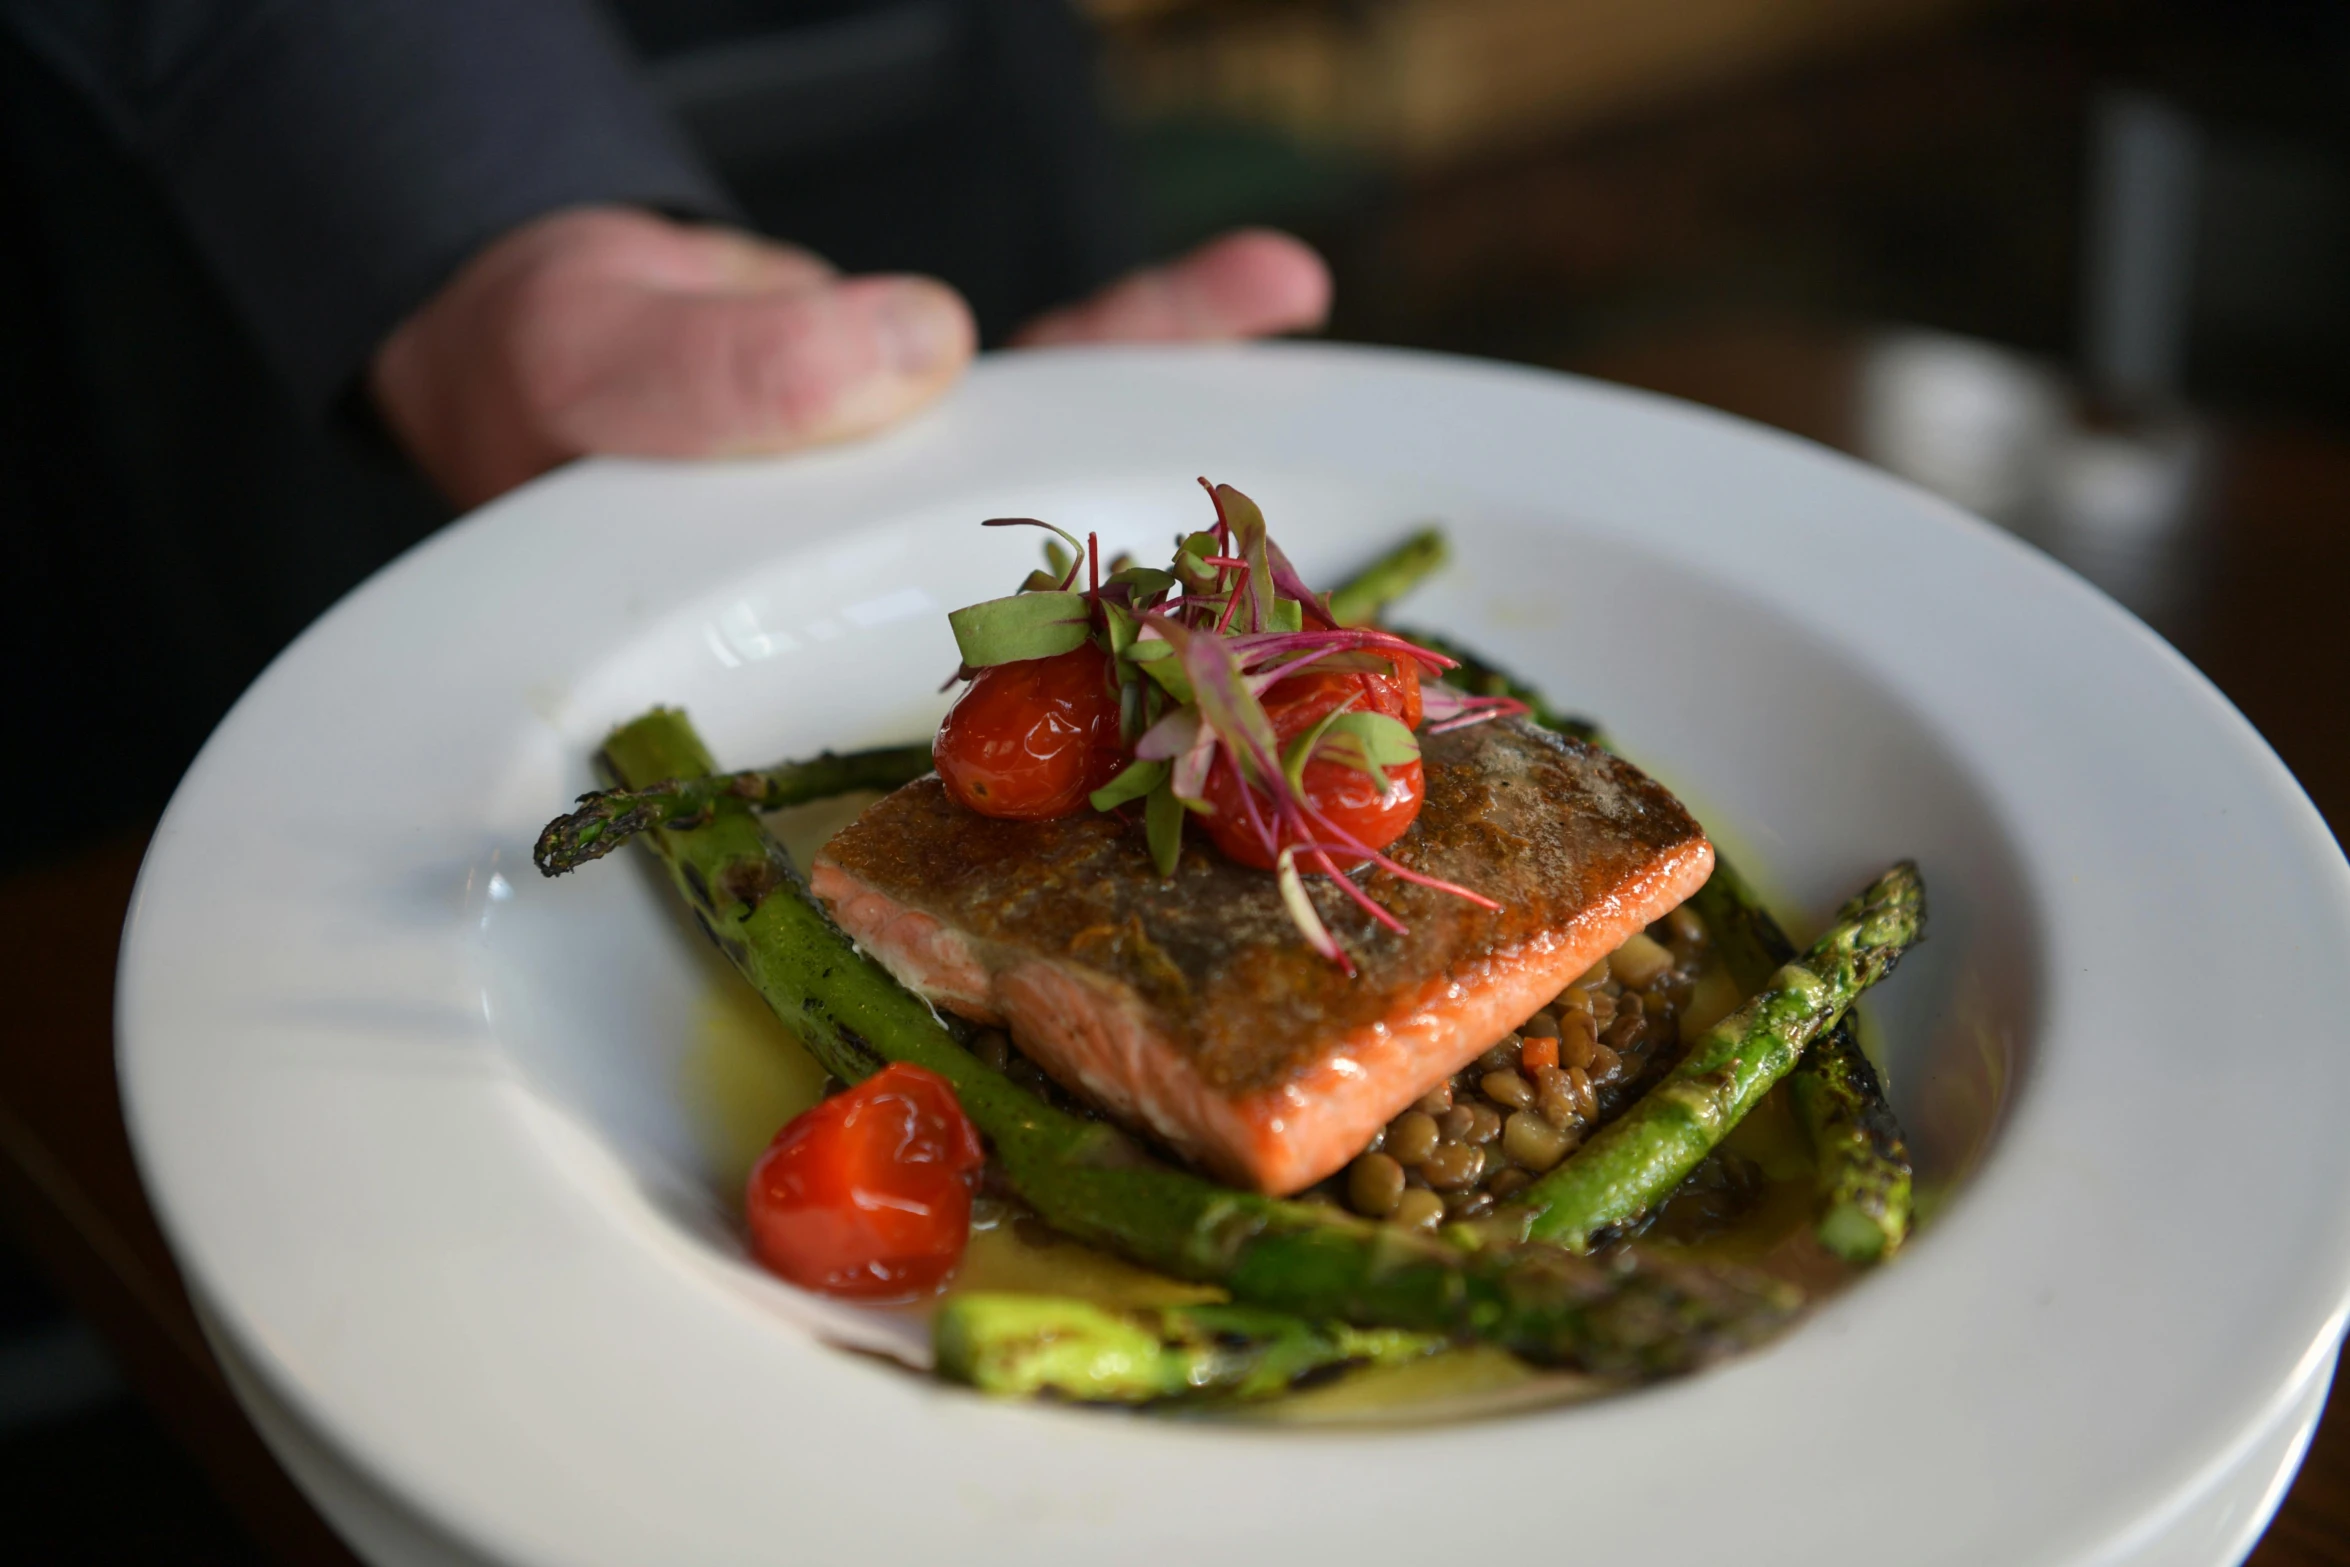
1133,709
1063,562
1132,783
1170,675
1149,652
1288,615
1368,743
1162,827
1248,539
1026,625
1190,563
1121,627
1146,581
1301,750
1223,698
1302,912
1041,582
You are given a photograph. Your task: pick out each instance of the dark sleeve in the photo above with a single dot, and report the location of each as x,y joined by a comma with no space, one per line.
335,160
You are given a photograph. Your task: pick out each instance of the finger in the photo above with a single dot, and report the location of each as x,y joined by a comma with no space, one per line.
1248,284
625,246
745,263
698,375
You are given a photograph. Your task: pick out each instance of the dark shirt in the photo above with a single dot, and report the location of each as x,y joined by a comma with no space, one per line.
212,212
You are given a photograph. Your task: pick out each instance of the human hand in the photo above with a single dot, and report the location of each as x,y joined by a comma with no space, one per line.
610,330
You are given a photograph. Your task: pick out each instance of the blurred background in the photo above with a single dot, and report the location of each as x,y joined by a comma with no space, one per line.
2082,266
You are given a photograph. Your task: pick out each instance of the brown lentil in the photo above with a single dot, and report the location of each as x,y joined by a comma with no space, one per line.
1453,1166
1411,1137
1586,1099
1482,1136
1419,1208
1639,962
1577,1040
1560,1105
1530,1142
1507,1088
1375,1185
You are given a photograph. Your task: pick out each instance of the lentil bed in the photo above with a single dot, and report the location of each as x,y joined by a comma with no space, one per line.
1530,1101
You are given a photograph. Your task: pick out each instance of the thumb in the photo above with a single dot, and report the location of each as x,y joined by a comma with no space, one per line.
691,374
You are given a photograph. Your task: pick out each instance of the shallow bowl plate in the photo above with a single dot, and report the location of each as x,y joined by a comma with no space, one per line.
434,1140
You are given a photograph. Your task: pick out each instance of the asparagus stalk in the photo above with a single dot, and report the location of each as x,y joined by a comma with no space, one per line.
1640,1317
1022,1345
608,818
1864,1172
1635,1161
1362,596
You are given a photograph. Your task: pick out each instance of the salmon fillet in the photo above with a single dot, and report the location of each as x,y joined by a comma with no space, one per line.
1192,1009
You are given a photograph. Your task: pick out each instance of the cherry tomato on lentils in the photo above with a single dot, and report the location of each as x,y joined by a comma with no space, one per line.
868,1195
1030,740
1343,795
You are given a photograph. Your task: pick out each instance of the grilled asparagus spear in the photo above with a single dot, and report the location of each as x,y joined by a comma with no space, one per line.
608,818
1864,1174
1640,1317
1023,1345
1362,596
1636,1160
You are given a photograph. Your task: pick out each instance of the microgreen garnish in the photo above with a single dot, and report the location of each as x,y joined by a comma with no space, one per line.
1196,647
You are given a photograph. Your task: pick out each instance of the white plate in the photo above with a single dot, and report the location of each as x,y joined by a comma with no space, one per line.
425,1131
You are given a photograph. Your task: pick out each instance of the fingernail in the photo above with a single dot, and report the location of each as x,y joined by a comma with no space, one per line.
924,329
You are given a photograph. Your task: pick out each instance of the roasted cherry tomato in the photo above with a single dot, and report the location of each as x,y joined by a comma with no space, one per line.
868,1195
1030,740
1343,795
1301,700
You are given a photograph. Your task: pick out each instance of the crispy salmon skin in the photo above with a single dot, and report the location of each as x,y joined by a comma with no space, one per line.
1192,1008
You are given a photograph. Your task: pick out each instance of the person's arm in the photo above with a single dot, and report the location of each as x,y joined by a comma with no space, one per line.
337,161
458,204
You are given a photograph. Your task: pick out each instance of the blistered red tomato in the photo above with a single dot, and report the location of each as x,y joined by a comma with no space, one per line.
1030,740
868,1195
1344,796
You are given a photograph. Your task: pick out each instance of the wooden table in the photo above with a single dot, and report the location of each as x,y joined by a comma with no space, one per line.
2267,630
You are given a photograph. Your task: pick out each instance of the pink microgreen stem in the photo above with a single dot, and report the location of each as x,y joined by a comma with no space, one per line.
1448,710
1363,900
1266,679
1250,646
